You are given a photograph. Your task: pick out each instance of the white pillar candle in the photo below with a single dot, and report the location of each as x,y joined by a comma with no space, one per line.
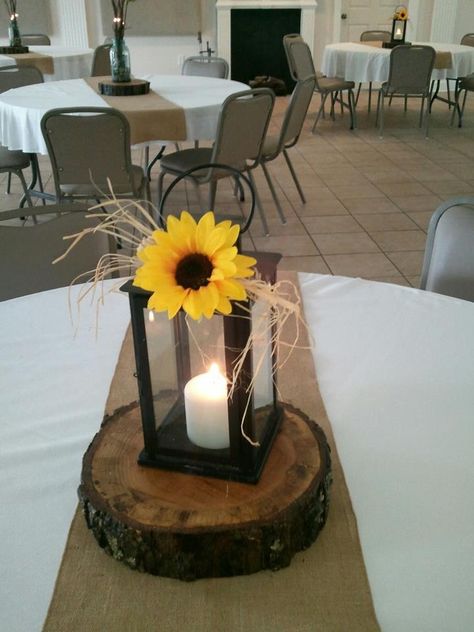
205,402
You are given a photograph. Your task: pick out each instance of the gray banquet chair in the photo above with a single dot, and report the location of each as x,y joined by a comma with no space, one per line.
448,266
27,252
372,36
290,131
15,161
35,39
409,76
205,66
88,146
101,61
464,85
236,145
300,62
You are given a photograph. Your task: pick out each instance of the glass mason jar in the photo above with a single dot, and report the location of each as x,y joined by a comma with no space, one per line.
120,61
14,33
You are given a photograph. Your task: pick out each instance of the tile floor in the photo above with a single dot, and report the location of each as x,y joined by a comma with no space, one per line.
368,200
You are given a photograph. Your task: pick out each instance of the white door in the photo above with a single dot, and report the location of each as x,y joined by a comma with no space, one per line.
365,15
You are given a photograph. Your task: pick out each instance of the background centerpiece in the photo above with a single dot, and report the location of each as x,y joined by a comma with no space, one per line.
119,53
13,30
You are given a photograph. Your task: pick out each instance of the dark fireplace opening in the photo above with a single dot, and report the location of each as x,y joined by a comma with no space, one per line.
257,43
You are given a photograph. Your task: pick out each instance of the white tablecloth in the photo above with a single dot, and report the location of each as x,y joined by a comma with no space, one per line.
395,367
22,109
69,63
361,62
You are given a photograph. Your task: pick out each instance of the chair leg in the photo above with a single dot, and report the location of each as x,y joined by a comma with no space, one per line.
9,183
160,187
273,192
212,194
427,114
350,98
406,103
461,113
293,175
258,203
378,109
239,189
324,96
154,161
26,191
358,94
382,104
370,97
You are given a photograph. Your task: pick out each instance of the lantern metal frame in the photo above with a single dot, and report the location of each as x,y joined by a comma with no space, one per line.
166,444
396,40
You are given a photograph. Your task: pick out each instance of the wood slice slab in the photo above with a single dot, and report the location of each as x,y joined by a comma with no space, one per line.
183,526
13,50
131,88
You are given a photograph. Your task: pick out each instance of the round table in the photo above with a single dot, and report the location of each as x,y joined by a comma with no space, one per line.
364,63
22,109
69,63
395,370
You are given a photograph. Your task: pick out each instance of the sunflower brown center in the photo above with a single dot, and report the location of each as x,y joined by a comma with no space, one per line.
193,271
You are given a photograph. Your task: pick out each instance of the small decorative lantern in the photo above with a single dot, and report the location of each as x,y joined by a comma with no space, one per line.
192,421
399,26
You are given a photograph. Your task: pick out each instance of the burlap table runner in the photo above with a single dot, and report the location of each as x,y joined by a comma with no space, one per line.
151,117
443,59
45,63
325,589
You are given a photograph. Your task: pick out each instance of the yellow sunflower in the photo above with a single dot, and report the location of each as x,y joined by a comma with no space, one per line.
194,266
401,13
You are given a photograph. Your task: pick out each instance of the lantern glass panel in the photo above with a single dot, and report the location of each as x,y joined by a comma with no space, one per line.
206,344
162,361
262,358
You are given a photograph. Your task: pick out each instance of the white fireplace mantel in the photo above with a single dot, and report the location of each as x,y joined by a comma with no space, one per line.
224,7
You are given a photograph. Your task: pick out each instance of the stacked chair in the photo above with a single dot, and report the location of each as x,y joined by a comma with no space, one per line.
300,62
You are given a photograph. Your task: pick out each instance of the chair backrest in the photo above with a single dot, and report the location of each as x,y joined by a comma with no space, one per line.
448,266
468,39
35,39
88,146
101,61
375,36
298,54
205,67
27,252
17,76
410,69
296,112
241,129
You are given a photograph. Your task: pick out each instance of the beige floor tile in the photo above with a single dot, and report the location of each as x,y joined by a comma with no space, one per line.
334,224
345,243
421,218
314,264
414,281
408,263
451,189
277,229
377,175
400,240
324,207
361,265
298,245
385,221
417,202
396,280
406,189
355,191
364,206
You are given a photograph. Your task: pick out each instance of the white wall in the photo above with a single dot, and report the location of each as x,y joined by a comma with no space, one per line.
464,19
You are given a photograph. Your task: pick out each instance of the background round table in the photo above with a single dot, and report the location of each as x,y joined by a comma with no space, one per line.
22,109
363,63
69,63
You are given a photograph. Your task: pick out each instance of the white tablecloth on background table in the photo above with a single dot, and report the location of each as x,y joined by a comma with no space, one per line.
362,63
69,63
395,368
22,109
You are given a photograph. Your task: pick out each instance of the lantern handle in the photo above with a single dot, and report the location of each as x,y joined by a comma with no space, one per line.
212,165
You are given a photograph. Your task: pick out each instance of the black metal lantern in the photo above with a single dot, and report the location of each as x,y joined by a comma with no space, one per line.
399,27
190,423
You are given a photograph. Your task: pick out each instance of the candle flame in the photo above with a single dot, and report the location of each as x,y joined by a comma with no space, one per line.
214,371
151,316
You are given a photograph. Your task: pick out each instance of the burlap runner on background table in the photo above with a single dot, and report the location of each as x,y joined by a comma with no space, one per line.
45,63
443,59
151,117
325,589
